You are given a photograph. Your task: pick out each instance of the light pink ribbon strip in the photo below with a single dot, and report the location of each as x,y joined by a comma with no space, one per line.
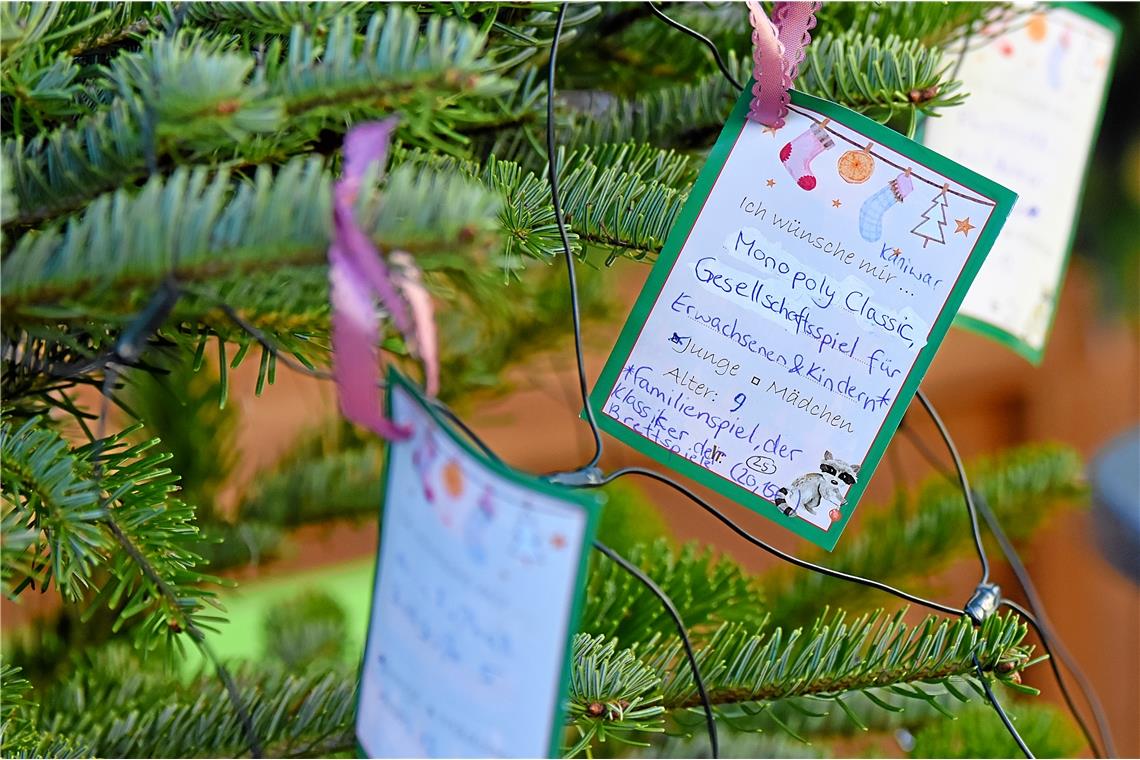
358,278
777,49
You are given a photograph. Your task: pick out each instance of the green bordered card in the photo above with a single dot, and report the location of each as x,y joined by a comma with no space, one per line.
1037,94
479,580
798,301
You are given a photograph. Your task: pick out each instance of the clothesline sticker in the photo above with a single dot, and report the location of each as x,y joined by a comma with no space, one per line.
479,580
1037,95
867,150
794,309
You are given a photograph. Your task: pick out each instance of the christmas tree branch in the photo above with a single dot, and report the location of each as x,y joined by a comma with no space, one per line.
706,588
1023,486
147,714
878,76
619,693
200,228
123,523
184,99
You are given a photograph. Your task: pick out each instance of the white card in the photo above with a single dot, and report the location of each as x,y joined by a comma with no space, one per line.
1030,121
478,581
799,299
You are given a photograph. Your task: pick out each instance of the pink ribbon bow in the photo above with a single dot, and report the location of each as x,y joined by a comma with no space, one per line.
358,278
778,49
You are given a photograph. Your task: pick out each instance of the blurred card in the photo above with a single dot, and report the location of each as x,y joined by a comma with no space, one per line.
478,582
1036,97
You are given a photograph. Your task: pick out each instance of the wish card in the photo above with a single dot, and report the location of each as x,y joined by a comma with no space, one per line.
1037,95
478,582
797,303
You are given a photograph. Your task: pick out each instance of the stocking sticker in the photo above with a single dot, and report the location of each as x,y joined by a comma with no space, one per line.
1036,100
797,155
875,208
786,325
460,628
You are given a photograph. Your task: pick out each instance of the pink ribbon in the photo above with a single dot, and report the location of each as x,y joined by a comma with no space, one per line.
778,49
358,278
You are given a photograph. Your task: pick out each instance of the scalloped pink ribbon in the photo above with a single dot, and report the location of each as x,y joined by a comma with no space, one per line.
358,279
778,47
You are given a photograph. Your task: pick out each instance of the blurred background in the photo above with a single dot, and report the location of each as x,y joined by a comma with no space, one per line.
1086,394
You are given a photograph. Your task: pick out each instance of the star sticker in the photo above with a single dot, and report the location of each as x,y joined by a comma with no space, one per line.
557,541
770,131
964,226
837,203
771,183
896,252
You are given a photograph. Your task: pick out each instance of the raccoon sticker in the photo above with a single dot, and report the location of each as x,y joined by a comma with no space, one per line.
817,496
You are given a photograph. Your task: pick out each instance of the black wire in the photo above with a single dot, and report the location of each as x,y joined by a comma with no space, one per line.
259,336
938,607
703,40
110,373
962,480
576,316
629,568
1040,628
633,570
1040,621
552,174
1000,711
445,410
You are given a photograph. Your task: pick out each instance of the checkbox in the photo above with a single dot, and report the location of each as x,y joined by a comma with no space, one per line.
755,380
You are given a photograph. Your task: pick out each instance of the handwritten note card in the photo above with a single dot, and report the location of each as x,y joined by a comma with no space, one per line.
1036,98
477,586
797,303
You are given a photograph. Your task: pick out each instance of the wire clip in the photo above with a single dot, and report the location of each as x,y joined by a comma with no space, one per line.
587,476
984,602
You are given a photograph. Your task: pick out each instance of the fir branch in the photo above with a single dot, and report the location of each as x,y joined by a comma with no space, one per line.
622,199
183,100
201,228
834,657
879,77
40,93
267,18
46,491
401,62
978,732
932,25
707,590
612,695
1023,486
327,486
746,668
678,116
611,203
309,628
82,524
147,714
75,28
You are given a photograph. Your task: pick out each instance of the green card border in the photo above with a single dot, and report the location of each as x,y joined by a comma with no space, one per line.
1022,348
590,502
1003,203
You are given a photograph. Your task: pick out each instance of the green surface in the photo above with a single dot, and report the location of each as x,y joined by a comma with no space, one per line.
247,605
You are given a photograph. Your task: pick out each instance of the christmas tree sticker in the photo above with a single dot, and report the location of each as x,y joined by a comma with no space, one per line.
930,228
